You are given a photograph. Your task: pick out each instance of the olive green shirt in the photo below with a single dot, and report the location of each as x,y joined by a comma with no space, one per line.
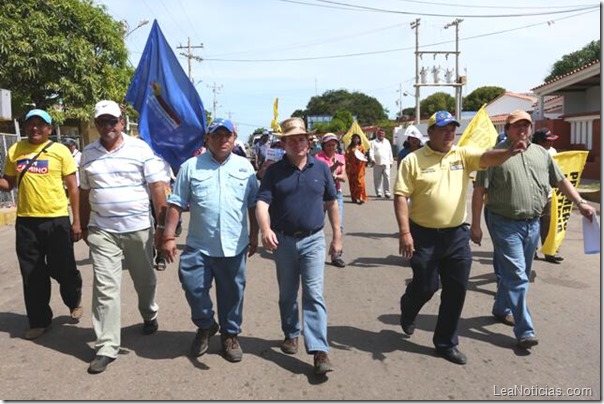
519,188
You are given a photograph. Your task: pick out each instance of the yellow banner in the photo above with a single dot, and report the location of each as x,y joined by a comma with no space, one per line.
480,132
275,122
571,163
355,128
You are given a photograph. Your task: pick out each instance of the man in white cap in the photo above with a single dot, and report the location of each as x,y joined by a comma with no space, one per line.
220,187
116,171
290,211
38,168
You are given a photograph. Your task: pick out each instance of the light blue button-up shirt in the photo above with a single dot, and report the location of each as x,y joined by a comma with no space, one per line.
219,196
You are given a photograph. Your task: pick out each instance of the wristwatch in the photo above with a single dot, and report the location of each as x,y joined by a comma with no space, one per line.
581,202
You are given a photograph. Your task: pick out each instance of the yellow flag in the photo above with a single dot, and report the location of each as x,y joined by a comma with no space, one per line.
571,163
480,133
355,128
275,122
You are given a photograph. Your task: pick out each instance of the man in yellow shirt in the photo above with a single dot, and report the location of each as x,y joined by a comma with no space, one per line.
38,168
433,233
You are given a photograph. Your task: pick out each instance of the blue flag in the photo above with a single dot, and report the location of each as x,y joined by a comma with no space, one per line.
172,119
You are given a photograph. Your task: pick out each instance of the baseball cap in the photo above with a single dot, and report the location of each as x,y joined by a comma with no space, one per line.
518,115
442,118
543,134
221,123
329,136
40,114
69,142
107,107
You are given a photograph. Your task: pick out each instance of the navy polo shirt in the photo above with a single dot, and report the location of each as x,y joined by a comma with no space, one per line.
295,197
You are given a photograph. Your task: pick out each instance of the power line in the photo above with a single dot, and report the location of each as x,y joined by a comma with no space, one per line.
382,10
347,55
494,7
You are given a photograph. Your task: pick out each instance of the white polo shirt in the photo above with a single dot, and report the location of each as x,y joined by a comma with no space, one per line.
117,180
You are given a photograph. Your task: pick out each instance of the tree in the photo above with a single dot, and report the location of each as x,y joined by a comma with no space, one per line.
437,102
480,96
575,60
368,110
69,53
340,121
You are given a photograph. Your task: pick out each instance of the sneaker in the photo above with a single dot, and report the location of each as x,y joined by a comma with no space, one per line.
202,339
553,259
338,262
99,364
290,346
322,363
35,332
76,314
149,327
528,342
387,196
378,196
231,348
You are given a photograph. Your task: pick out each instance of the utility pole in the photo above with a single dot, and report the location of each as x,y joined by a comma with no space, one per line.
415,26
189,55
459,80
215,90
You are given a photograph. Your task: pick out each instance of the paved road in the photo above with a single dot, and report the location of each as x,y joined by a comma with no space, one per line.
373,360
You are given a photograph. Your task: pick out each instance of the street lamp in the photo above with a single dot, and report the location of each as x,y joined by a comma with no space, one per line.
126,27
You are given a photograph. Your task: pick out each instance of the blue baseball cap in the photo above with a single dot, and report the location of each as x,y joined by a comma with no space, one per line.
40,114
442,118
221,123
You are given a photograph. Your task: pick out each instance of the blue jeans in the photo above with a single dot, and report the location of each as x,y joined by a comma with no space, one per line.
515,242
302,259
341,210
196,272
496,264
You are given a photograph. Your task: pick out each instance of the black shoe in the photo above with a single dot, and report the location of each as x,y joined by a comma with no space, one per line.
99,364
202,340
528,342
160,264
507,319
408,328
553,259
452,355
149,327
338,262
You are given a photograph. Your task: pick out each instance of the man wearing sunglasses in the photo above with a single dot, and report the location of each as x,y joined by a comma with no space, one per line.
115,173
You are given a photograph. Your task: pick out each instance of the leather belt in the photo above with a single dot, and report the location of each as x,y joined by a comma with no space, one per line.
300,233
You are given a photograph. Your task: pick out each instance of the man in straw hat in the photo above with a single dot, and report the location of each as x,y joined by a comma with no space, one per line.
290,214
433,233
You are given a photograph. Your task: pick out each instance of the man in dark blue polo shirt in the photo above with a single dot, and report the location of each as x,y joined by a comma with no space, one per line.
290,214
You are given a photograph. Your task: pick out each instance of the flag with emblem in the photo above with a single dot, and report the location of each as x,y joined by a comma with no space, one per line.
172,119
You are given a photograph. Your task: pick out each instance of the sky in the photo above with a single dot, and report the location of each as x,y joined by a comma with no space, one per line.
257,50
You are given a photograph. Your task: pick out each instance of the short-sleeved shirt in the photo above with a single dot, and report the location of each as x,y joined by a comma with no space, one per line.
437,185
219,196
41,193
296,197
118,183
321,156
519,188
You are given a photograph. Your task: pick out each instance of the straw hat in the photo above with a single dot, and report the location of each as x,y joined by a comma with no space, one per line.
293,126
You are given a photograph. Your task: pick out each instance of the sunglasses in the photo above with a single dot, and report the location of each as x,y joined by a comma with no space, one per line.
107,121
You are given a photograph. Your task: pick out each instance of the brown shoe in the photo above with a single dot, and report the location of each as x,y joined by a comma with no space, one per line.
76,314
528,342
231,350
508,319
35,332
290,346
322,363
202,339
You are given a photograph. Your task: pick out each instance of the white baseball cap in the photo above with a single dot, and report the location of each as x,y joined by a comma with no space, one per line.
107,107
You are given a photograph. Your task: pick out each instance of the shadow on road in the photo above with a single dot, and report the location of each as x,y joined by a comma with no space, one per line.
372,262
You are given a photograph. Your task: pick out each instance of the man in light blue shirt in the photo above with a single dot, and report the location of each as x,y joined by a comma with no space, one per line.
220,187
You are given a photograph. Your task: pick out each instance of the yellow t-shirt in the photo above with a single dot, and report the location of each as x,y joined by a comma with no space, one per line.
437,185
41,193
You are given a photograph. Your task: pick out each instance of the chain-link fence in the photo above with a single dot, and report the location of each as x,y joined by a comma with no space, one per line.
7,199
